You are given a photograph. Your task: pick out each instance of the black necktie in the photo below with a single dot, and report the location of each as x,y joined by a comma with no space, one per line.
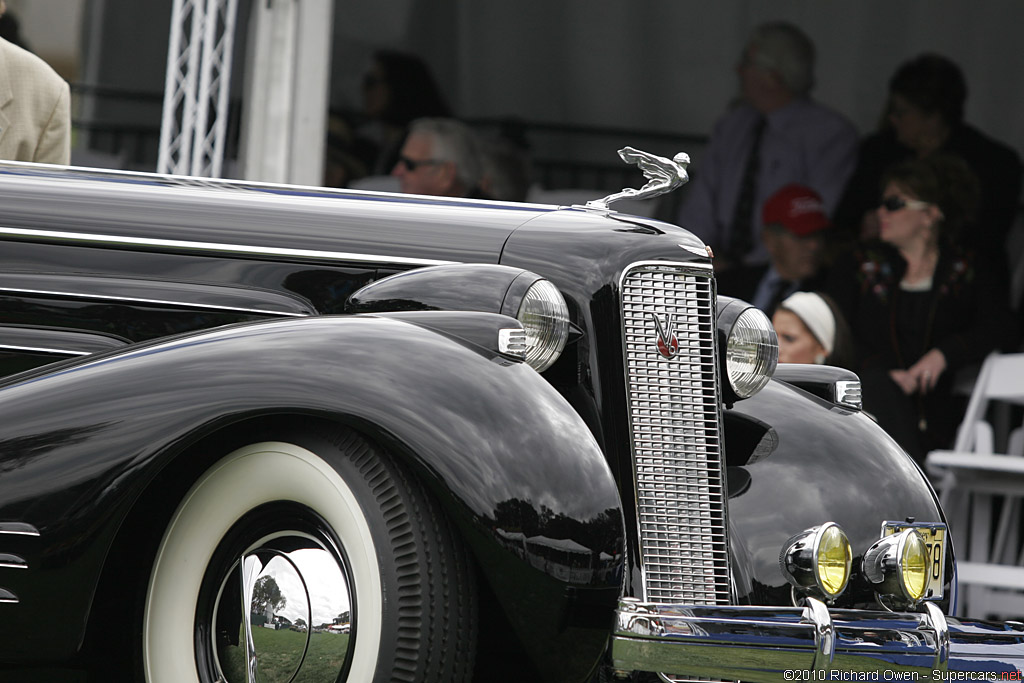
780,290
740,240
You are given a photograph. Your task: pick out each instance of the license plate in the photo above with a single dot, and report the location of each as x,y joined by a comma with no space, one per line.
935,539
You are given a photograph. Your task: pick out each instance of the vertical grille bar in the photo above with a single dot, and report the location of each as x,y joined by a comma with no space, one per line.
672,375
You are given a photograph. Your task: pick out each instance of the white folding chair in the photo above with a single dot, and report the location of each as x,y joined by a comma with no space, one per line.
981,490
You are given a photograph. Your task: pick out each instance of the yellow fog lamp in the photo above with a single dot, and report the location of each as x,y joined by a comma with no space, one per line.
897,565
817,561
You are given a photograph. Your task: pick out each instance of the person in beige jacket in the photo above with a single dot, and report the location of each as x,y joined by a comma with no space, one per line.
35,108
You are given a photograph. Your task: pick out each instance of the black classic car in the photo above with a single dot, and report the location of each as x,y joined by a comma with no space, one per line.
270,433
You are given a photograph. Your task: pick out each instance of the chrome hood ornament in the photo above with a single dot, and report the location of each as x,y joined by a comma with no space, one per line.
663,175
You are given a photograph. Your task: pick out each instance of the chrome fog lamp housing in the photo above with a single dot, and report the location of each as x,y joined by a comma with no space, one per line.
817,561
897,565
545,319
751,347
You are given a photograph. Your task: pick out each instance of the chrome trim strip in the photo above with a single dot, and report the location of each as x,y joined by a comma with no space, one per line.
18,529
513,342
848,393
10,561
156,302
695,250
7,597
214,247
40,349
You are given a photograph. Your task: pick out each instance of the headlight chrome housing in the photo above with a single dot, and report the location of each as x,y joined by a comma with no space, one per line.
484,287
897,565
545,318
817,561
751,347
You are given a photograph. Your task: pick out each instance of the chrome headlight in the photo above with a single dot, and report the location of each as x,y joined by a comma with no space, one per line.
751,347
898,566
818,560
484,287
545,318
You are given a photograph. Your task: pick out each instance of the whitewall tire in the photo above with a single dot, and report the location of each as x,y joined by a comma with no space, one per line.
348,499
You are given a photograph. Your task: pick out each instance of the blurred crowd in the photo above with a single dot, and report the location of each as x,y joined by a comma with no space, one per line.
886,255
407,130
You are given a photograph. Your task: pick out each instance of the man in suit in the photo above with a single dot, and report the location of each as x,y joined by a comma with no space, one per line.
35,108
793,236
777,134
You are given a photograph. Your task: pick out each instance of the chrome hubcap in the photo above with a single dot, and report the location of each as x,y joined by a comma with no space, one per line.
283,613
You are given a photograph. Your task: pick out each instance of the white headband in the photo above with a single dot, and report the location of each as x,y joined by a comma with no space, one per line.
816,315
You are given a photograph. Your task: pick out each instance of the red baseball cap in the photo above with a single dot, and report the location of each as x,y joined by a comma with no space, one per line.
797,208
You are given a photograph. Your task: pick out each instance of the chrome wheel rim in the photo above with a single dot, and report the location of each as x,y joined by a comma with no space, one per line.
276,603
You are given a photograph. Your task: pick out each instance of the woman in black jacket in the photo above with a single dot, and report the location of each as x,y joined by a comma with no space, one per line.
922,306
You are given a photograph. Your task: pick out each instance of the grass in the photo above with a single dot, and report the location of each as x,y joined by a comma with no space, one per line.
277,653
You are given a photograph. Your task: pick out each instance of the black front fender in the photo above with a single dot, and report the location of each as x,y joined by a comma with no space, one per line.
797,461
503,451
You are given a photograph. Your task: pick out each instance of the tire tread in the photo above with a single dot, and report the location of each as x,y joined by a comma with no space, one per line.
436,638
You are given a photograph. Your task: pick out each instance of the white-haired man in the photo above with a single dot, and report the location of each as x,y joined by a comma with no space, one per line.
440,157
35,108
775,136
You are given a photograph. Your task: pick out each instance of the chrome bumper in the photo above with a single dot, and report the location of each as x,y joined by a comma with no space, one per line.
811,643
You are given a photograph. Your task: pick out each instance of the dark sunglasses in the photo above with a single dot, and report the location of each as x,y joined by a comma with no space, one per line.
894,203
413,164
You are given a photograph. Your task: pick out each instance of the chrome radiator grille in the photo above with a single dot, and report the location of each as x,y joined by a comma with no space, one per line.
671,373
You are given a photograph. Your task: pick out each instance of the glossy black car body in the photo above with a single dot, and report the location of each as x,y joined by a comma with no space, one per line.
188,315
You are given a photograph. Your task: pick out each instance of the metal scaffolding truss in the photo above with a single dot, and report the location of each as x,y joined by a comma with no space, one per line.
196,90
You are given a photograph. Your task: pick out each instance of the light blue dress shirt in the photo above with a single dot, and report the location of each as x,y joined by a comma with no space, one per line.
804,142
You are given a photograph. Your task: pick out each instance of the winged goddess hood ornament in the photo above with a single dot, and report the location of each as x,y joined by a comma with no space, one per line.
663,175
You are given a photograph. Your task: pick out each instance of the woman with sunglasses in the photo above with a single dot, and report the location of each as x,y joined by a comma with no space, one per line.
921,307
